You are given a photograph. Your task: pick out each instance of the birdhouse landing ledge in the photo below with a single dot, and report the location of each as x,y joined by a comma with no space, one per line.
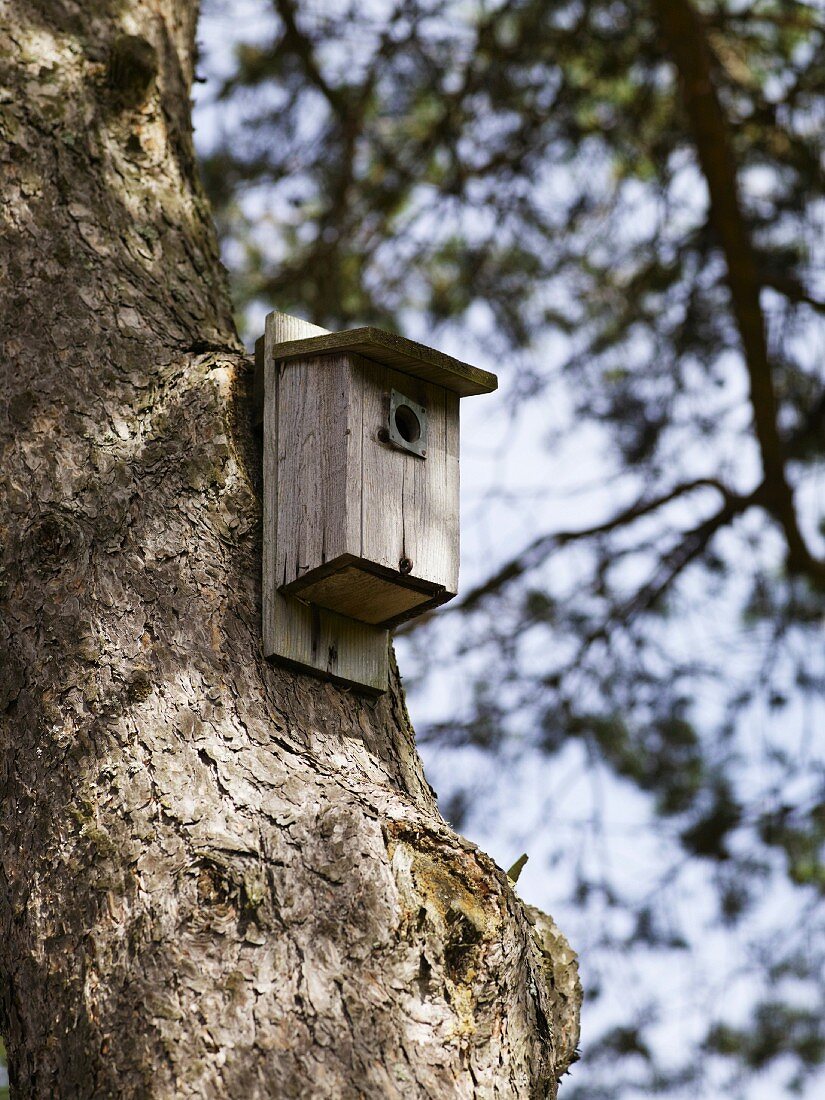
361,491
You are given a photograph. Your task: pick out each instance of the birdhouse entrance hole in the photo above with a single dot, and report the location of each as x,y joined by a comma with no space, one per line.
408,425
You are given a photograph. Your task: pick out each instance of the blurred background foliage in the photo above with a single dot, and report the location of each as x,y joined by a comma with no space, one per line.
617,204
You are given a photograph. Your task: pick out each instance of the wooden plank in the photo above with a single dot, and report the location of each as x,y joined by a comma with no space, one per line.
452,488
319,464
410,504
397,353
368,597
341,430
430,509
272,611
332,646
282,328
383,473
309,638
298,473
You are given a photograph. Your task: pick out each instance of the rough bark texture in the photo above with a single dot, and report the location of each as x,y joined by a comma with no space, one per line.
217,879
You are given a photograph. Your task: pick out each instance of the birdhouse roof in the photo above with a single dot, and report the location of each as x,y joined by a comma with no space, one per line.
398,353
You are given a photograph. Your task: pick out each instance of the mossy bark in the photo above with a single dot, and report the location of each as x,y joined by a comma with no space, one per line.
217,878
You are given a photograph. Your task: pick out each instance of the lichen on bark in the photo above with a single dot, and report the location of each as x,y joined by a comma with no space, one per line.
217,877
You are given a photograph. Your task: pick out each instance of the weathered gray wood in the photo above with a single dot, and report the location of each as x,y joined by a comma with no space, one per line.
452,475
319,463
369,597
354,526
280,328
396,352
320,641
345,497
410,506
299,475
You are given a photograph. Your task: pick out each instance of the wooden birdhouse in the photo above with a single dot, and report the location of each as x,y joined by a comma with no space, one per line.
361,491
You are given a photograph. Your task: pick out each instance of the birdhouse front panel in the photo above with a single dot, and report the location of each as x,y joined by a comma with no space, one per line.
368,484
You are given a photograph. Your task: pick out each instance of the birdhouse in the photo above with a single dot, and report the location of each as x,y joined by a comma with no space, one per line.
361,491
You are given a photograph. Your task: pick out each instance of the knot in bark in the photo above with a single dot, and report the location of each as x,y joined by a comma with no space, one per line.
133,66
53,540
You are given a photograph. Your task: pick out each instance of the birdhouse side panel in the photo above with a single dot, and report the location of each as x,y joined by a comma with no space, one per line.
447,546
318,466
410,504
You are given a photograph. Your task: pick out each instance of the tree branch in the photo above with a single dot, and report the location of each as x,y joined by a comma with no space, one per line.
810,434
793,290
676,560
301,47
685,40
537,550
535,553
669,566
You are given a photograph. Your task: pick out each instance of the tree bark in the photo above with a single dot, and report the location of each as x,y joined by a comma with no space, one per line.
217,878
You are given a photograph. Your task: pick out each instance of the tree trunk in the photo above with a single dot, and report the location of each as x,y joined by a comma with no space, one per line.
217,878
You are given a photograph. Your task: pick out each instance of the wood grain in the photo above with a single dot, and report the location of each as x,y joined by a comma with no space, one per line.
410,506
397,353
306,520
344,495
319,462
365,596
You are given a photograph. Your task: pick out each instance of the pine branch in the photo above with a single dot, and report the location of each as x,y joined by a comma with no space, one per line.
540,548
686,42
793,290
533,555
